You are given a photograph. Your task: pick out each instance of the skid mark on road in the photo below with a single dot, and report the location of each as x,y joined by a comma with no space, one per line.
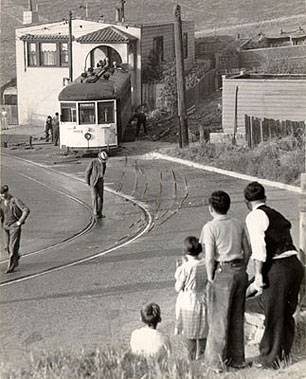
130,238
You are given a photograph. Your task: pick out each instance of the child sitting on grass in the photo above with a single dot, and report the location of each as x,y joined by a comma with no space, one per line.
191,280
148,341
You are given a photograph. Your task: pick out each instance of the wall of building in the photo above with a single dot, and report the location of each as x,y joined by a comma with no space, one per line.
167,32
38,88
279,99
254,58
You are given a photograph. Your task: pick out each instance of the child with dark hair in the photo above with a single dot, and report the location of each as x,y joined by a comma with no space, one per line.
191,280
148,341
226,255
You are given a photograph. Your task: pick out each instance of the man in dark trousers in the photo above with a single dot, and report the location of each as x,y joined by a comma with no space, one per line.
13,213
141,120
278,275
94,176
56,131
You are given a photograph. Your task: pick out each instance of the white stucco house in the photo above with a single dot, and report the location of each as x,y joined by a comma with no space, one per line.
42,58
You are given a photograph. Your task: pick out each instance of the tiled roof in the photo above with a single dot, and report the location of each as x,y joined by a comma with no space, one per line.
109,34
44,37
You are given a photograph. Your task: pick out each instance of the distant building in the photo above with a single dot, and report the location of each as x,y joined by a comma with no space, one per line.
289,38
222,50
42,57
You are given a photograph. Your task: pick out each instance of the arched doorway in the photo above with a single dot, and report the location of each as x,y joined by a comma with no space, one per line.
100,53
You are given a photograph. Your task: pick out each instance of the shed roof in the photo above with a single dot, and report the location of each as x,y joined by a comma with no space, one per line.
110,34
101,89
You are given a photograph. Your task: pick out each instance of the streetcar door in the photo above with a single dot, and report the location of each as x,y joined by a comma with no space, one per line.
107,119
68,119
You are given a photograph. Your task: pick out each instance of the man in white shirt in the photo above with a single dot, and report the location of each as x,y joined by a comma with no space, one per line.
278,274
226,255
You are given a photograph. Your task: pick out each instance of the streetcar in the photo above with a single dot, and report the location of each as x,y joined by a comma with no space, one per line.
95,112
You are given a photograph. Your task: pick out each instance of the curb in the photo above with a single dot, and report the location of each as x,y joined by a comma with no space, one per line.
216,170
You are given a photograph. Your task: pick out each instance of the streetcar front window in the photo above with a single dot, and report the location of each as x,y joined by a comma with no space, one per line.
68,112
87,113
106,112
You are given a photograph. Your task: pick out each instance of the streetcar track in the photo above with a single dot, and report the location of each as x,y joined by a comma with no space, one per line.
131,237
69,239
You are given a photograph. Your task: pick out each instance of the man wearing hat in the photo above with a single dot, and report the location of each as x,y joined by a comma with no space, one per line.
13,213
94,176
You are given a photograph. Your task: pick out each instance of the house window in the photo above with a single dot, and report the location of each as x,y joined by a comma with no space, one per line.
53,54
32,54
87,114
185,45
68,112
105,112
158,48
64,59
48,54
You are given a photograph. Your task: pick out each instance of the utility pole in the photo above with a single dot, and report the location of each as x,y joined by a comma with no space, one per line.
70,48
122,10
180,78
303,228
86,9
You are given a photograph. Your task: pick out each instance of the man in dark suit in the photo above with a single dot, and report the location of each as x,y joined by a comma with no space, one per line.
13,213
94,176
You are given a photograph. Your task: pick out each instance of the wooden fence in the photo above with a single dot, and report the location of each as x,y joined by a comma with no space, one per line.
258,130
151,93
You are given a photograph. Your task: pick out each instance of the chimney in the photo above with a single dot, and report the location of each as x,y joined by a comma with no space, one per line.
119,11
117,14
30,16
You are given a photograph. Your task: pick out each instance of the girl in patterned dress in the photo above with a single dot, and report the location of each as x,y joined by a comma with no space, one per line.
191,312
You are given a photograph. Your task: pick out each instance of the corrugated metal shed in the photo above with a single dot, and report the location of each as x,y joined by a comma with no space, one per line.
110,34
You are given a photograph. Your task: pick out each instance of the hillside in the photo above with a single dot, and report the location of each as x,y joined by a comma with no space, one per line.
207,15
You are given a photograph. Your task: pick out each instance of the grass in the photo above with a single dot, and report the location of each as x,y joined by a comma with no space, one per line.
281,160
118,363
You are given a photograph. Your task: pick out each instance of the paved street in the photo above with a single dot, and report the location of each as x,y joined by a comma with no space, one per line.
97,303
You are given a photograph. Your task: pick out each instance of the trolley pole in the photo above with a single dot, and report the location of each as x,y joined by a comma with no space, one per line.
70,48
303,228
180,78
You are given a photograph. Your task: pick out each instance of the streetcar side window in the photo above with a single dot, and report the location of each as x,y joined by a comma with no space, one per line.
106,112
68,112
87,113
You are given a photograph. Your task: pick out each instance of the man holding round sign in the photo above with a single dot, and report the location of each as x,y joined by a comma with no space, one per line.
94,176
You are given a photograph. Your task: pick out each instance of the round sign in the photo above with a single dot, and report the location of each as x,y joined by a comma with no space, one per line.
87,136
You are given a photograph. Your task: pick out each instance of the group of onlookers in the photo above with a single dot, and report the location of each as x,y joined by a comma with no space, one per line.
212,287
52,129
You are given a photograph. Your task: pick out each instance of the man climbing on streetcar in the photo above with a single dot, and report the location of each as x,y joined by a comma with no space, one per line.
13,213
